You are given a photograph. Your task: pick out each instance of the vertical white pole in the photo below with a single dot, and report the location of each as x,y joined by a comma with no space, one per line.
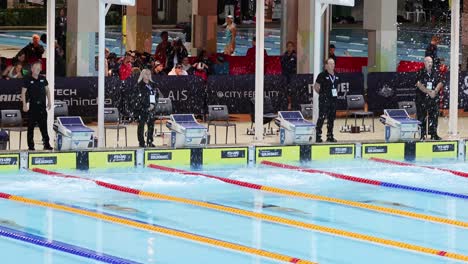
101,91
259,70
50,75
454,68
317,56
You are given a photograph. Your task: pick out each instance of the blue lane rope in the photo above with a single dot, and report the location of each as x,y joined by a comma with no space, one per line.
61,246
418,189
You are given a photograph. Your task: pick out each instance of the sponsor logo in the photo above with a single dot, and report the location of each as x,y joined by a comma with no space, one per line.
232,154
376,149
443,148
160,156
341,150
386,91
44,160
6,161
245,94
10,97
111,158
270,153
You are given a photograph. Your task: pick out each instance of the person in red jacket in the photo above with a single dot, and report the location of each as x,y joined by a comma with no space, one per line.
125,69
251,52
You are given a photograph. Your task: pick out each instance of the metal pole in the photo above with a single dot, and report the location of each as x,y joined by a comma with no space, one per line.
454,68
50,75
101,91
317,56
259,69
284,25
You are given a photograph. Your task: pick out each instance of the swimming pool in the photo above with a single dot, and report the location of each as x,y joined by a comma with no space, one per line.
299,226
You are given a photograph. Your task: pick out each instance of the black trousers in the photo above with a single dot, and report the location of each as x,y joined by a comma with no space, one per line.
327,110
37,117
428,109
149,121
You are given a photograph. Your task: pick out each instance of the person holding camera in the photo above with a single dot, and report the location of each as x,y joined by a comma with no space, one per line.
146,98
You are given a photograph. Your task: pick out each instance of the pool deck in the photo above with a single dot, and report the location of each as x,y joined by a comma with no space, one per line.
243,139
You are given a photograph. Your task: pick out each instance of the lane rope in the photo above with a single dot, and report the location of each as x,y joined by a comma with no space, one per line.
399,163
364,180
285,192
158,229
265,217
61,246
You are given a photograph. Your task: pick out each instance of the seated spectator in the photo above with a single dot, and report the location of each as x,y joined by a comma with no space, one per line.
112,65
331,52
33,50
221,67
202,65
163,48
147,60
252,50
60,64
126,67
15,72
158,68
186,66
176,54
289,60
3,66
251,53
20,58
178,71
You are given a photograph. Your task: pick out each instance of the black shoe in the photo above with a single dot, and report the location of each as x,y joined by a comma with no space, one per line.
423,137
31,149
151,145
142,146
48,147
331,139
319,140
435,137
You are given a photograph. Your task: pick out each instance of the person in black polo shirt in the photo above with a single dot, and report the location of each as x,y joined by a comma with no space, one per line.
326,85
146,98
36,92
428,86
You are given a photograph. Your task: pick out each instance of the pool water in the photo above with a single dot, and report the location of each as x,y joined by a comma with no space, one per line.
142,246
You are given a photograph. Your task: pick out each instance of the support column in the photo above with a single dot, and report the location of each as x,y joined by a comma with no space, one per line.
305,37
204,25
289,22
380,21
139,25
464,38
82,27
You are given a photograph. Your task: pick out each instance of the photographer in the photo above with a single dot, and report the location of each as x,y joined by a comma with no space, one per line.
146,98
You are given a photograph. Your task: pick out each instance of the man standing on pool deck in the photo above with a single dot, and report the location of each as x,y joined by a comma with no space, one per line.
428,86
36,92
326,85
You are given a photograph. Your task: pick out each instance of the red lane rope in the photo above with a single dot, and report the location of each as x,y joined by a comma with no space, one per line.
235,182
399,163
332,174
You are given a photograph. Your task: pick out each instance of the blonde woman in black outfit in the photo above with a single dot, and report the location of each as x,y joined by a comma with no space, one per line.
146,98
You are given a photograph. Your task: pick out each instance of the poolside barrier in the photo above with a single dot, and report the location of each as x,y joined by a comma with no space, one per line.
161,230
364,181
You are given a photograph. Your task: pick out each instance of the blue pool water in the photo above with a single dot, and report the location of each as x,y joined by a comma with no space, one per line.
411,43
146,247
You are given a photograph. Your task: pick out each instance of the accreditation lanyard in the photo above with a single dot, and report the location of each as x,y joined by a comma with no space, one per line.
152,96
334,90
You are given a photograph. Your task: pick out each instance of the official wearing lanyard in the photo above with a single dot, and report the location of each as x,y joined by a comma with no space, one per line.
146,99
428,86
326,85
